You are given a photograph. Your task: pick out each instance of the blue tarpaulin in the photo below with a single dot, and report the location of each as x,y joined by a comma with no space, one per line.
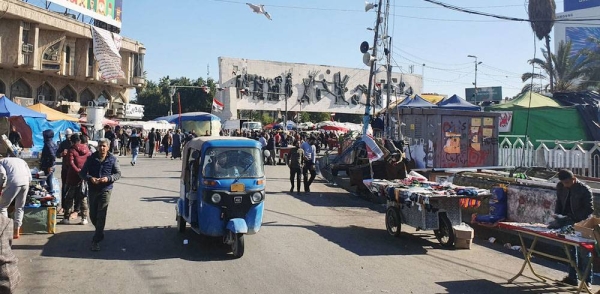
416,102
38,125
457,103
9,108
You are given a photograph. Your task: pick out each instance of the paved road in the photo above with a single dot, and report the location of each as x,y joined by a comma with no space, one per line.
326,242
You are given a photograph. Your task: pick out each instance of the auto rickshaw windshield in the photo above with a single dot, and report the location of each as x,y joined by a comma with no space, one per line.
232,163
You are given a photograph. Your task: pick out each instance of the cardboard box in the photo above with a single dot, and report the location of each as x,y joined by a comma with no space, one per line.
586,227
463,243
464,233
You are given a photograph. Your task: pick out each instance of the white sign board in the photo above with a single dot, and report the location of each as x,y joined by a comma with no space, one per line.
134,111
505,121
106,51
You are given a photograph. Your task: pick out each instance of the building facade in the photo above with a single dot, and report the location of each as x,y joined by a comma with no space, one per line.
297,87
578,32
48,56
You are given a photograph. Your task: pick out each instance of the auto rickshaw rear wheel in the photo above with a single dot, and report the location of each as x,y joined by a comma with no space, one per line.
181,224
237,245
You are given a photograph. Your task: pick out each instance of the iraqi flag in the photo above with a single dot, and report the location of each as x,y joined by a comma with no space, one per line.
217,105
373,151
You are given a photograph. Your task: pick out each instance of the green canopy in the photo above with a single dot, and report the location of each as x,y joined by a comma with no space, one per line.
522,101
547,119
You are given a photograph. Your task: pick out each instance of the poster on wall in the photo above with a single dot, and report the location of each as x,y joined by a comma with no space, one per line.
106,52
505,121
108,11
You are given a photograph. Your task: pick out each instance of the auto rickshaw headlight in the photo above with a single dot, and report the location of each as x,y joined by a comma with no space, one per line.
256,197
215,198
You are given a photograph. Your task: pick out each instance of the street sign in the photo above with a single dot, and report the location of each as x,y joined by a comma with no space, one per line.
483,94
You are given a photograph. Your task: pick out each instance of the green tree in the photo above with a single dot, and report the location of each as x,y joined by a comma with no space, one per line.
349,117
317,117
542,14
567,72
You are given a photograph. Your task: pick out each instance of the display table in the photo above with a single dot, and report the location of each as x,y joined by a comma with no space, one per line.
540,231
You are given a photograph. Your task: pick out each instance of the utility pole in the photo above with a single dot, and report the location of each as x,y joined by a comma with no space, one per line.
388,52
366,118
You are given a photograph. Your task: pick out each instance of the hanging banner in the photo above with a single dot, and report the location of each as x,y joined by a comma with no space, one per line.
108,11
134,111
106,52
505,121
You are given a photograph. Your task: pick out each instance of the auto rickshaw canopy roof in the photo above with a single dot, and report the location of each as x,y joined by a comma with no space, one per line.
216,141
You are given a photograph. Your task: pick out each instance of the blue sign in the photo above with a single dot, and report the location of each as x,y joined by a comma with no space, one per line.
571,5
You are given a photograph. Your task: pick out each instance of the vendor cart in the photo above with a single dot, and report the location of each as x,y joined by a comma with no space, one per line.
424,210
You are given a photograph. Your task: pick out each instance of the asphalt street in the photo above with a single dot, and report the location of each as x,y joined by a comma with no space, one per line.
327,241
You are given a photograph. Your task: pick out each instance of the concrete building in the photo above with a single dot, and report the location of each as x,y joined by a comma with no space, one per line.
277,86
48,56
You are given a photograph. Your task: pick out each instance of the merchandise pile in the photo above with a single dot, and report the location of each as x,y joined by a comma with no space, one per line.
417,189
38,196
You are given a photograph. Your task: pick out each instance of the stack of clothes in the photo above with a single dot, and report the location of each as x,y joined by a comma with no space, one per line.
39,196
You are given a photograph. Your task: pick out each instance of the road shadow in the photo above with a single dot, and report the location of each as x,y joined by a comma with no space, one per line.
469,286
334,199
146,243
165,199
369,242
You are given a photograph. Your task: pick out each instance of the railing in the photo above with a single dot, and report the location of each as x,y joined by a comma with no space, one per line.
582,157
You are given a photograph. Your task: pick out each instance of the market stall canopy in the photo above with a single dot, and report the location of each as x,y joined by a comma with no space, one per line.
9,108
202,123
416,102
457,103
432,98
105,121
52,114
523,101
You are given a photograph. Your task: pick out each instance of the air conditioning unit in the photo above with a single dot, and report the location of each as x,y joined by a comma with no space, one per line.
27,48
41,98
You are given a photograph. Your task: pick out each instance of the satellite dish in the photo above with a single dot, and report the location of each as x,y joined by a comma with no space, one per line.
368,59
364,47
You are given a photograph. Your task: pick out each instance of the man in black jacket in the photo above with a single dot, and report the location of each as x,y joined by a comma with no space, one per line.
575,202
151,142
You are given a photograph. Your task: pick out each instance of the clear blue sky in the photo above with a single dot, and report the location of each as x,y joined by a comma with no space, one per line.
183,37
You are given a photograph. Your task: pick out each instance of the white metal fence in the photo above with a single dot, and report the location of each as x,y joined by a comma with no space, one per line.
582,157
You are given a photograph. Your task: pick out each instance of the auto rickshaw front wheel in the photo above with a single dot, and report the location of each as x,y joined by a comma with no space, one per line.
237,244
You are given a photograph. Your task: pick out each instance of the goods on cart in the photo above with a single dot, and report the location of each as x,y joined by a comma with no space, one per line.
39,196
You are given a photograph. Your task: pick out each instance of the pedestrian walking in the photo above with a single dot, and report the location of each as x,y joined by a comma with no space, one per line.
295,162
310,157
123,142
135,142
75,199
176,152
167,140
48,158
63,148
15,177
100,171
151,142
110,135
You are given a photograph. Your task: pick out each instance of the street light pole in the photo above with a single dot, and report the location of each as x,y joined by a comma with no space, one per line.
475,84
172,92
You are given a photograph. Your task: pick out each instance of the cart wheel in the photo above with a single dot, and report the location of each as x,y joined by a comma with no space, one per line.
237,247
393,221
181,224
334,172
445,234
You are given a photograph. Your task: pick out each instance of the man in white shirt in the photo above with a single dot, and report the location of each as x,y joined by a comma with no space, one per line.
263,140
310,158
16,175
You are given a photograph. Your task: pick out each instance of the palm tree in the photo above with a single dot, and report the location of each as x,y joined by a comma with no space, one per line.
593,73
566,71
541,16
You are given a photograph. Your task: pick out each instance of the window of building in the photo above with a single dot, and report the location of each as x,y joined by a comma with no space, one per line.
51,57
46,93
103,99
68,94
68,55
26,28
85,97
138,65
2,87
20,88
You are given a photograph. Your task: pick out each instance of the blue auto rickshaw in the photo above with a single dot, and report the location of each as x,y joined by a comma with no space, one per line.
222,189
